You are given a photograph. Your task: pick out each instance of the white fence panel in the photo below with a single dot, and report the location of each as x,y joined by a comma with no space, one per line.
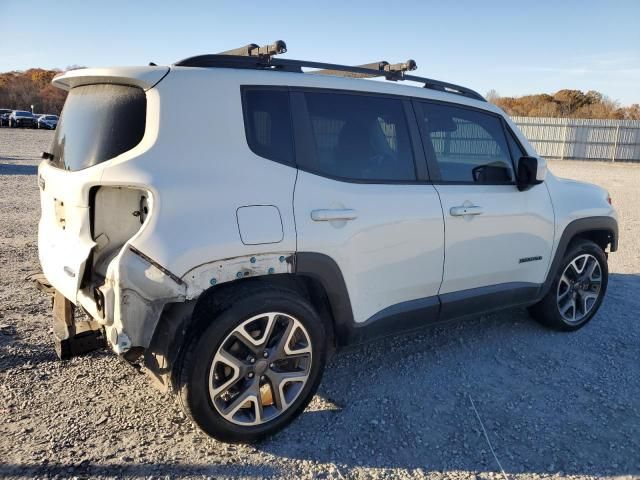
583,139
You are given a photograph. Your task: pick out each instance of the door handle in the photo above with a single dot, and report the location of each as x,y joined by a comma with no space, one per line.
462,210
329,215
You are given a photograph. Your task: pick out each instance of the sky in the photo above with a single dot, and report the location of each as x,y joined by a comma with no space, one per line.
514,47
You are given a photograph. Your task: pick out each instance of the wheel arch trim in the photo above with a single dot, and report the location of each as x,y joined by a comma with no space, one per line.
574,230
325,270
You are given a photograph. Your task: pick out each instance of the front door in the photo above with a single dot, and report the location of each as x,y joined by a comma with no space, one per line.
497,239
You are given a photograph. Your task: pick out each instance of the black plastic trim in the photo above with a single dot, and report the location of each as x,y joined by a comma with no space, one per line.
419,160
577,227
401,317
324,269
486,299
407,315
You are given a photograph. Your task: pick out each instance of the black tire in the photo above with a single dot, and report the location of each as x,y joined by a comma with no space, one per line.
547,311
217,320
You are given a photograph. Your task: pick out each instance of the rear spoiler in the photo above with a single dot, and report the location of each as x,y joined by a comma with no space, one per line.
143,77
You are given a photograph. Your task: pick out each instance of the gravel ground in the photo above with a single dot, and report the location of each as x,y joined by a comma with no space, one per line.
553,405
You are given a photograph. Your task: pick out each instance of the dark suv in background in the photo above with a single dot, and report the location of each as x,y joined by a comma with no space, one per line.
4,117
21,118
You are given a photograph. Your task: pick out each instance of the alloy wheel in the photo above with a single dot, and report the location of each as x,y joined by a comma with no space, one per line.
579,288
260,368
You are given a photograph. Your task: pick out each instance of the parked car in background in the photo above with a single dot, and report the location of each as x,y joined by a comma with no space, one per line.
48,122
36,116
21,119
4,117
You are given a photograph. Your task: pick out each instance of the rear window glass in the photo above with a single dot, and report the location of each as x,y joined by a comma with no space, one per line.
98,123
267,123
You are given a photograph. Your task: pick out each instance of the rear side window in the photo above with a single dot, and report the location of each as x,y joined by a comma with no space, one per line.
98,122
358,137
469,146
267,122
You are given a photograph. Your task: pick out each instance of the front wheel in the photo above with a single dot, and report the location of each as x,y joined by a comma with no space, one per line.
255,365
577,290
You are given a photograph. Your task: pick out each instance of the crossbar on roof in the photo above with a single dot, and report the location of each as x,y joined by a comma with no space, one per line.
262,58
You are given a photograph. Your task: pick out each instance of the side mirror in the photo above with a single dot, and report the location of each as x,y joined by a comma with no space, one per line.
531,171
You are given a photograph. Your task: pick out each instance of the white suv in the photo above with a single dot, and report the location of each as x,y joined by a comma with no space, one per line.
311,210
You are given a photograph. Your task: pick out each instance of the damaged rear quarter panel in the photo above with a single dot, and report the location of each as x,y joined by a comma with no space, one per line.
137,289
197,179
143,291
210,274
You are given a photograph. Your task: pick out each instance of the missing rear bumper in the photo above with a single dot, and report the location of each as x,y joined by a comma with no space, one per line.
72,338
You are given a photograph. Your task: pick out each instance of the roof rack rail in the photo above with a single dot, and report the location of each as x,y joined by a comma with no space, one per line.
379,69
254,50
263,61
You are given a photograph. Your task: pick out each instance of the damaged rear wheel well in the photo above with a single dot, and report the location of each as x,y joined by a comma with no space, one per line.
181,321
305,286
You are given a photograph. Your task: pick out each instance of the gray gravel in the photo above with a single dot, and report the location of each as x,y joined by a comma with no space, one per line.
553,405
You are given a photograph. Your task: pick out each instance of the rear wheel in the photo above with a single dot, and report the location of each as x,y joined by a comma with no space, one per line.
255,365
577,289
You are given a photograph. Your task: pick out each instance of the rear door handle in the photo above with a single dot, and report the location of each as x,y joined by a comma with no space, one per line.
329,215
462,210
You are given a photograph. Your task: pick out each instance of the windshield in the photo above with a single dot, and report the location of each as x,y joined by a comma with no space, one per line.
98,123
50,117
20,113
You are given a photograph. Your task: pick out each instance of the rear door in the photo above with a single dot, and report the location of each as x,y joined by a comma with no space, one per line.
498,239
363,201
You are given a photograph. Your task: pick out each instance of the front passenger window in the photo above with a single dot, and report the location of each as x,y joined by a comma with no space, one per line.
468,145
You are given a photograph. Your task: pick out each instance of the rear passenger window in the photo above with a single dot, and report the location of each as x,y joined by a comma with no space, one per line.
358,137
468,145
267,124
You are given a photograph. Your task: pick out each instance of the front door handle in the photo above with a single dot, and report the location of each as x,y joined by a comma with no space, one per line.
462,210
329,215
